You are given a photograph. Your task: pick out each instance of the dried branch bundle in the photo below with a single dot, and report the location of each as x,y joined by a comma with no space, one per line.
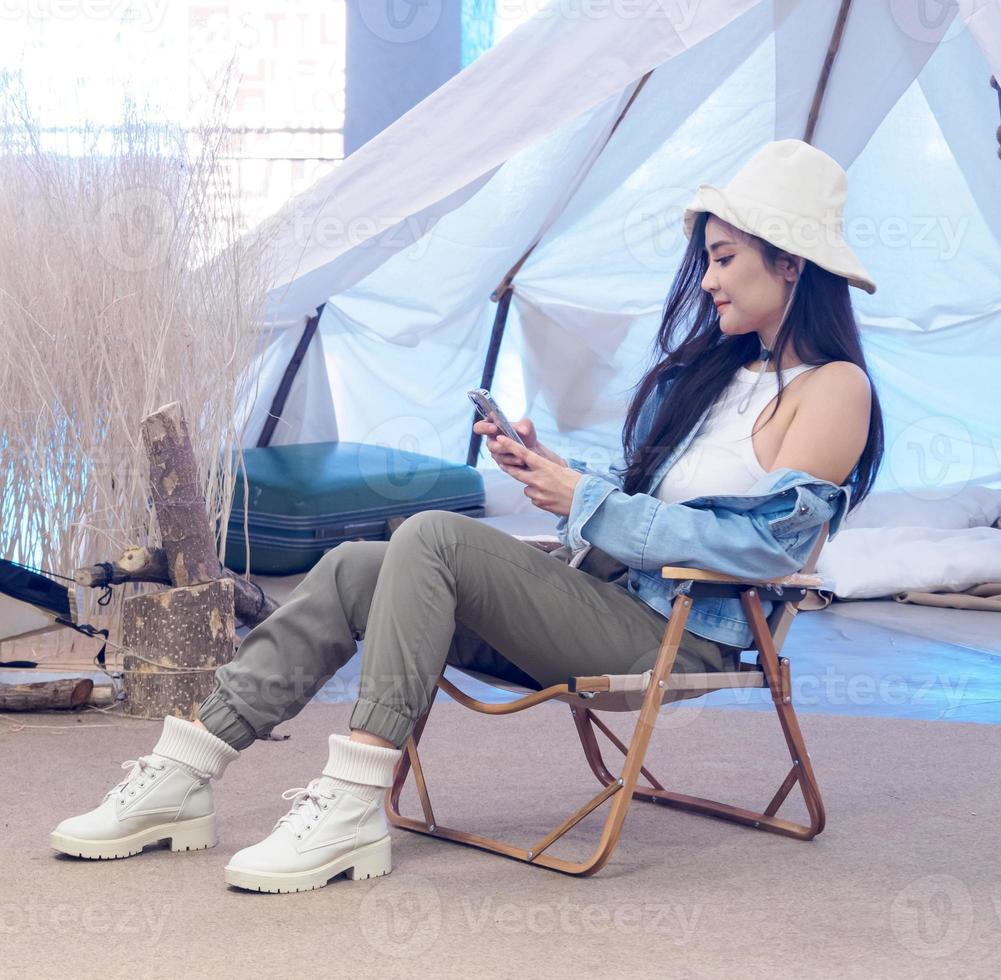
124,285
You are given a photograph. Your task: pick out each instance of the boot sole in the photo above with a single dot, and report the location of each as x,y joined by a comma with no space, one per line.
196,834
371,861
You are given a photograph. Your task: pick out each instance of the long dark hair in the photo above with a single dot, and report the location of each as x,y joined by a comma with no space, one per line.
820,326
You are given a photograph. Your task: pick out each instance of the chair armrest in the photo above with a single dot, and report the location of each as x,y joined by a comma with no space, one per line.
799,580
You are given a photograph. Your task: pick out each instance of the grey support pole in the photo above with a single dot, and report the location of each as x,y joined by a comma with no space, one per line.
490,364
997,87
285,386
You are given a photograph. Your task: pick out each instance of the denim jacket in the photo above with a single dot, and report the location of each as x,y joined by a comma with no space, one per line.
766,532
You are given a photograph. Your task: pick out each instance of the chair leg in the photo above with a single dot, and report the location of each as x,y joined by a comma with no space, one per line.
620,791
777,674
585,721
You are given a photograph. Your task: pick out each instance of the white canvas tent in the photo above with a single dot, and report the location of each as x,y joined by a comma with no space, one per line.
408,239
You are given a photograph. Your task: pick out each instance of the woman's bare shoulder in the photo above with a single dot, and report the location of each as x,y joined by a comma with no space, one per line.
842,371
836,403
841,392
839,385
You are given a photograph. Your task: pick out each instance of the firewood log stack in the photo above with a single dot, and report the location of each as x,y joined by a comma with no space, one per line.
177,637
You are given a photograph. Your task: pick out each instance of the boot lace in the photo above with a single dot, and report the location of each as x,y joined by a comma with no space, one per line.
143,768
308,802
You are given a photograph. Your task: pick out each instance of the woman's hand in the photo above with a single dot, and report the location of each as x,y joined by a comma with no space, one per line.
526,429
548,485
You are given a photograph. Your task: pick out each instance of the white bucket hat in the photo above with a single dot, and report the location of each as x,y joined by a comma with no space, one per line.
792,195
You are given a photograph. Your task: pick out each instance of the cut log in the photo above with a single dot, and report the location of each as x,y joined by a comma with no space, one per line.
187,633
68,692
139,564
102,696
177,497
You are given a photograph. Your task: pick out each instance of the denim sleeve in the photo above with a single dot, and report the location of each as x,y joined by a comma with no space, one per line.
645,533
608,475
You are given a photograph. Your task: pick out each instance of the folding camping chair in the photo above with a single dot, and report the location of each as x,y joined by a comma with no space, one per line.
657,686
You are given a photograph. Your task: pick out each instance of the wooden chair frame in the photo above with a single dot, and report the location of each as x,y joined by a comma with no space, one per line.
585,694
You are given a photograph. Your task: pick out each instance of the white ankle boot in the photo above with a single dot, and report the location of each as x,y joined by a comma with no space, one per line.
165,795
337,823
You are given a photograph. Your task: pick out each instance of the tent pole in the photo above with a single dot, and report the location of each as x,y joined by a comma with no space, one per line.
825,72
503,293
505,283
997,87
281,395
487,378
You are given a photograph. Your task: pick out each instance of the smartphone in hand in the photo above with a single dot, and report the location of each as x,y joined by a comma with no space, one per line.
489,409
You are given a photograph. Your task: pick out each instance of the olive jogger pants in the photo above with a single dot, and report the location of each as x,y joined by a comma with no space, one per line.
444,589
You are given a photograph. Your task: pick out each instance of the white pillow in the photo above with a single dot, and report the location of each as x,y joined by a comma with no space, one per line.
869,562
957,506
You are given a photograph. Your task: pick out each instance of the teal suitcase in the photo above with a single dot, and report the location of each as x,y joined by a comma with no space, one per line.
304,500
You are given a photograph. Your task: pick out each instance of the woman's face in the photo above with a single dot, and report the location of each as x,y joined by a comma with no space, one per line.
749,295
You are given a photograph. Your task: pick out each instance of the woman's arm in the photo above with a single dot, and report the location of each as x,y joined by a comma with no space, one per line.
646,533
830,426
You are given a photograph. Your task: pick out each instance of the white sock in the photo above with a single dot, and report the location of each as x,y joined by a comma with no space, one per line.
363,770
193,747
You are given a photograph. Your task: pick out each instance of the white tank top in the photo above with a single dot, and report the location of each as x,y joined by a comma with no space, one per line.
721,458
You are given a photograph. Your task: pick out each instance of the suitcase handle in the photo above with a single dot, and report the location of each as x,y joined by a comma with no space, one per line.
362,528
344,530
